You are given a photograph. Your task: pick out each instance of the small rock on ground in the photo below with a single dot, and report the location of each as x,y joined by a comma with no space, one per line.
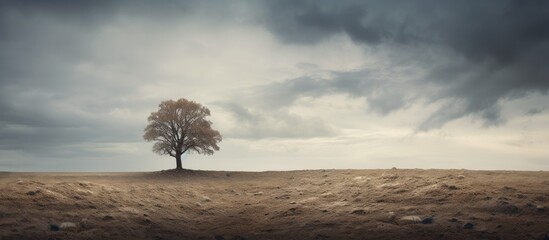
391,216
32,193
68,226
468,225
388,176
427,220
358,211
410,219
507,208
54,227
85,224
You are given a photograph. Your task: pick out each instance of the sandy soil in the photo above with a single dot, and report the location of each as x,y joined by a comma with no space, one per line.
315,204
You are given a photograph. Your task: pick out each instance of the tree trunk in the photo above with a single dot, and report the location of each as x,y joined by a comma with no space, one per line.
178,161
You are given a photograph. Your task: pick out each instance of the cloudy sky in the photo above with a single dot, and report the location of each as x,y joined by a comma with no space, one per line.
290,84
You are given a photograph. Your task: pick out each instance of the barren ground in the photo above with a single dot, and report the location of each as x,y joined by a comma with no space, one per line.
312,204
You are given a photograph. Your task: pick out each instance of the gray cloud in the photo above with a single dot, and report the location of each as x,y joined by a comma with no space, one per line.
45,100
253,123
486,30
383,95
534,111
67,67
500,48
67,70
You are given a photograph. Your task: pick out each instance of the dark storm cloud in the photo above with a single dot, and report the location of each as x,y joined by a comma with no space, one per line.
481,30
383,95
501,48
41,45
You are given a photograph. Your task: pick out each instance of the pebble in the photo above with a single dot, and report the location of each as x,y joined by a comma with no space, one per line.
410,219
358,211
54,227
85,224
84,184
391,216
258,193
468,226
388,176
540,208
32,193
507,208
68,226
293,202
284,196
461,176
206,199
427,220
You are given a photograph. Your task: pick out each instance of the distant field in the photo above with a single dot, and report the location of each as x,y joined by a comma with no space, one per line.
312,204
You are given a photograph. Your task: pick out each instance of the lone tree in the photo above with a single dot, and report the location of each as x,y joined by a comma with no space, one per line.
181,126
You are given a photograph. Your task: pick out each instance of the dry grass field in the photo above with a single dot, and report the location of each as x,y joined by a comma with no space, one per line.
309,204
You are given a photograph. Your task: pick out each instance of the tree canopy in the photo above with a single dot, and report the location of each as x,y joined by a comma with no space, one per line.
179,127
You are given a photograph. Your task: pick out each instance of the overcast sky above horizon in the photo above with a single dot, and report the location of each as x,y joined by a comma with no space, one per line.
290,84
